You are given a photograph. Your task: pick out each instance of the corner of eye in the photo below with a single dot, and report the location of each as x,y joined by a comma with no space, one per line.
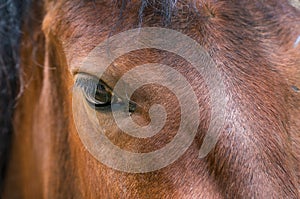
73,71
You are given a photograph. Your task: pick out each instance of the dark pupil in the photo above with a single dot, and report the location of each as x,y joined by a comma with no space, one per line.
102,95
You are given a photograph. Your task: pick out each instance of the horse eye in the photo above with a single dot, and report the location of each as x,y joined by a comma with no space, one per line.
99,96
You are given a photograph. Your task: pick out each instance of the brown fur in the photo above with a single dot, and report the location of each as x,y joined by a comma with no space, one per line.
257,155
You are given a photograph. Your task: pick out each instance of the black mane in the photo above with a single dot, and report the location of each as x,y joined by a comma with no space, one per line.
11,14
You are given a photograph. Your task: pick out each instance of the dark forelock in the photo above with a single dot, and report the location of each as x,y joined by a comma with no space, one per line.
11,14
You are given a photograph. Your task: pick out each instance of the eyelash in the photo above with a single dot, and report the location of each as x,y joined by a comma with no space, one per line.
91,87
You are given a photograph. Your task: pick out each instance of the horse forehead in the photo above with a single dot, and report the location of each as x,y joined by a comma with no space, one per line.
77,23
86,12
74,20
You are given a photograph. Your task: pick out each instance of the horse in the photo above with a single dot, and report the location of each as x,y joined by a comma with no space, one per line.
49,148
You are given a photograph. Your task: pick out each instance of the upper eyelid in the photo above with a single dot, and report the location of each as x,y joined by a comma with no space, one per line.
89,82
